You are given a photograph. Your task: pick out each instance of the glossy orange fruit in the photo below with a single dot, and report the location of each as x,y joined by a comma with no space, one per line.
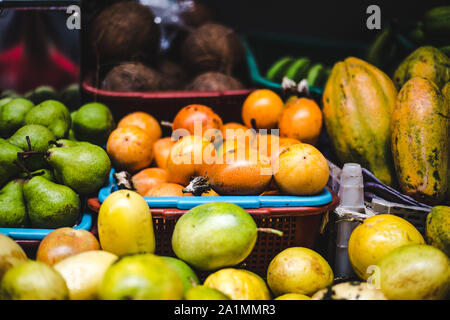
189,157
240,173
130,148
167,189
144,121
161,151
148,178
262,109
210,193
301,120
199,120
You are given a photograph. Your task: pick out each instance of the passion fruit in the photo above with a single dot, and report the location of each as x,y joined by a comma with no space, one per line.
239,284
240,172
301,169
190,156
199,120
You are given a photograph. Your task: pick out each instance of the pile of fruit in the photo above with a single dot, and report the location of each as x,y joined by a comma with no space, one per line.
43,174
298,69
73,264
397,128
124,42
206,157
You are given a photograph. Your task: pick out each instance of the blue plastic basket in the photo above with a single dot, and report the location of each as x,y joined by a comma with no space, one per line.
38,234
247,202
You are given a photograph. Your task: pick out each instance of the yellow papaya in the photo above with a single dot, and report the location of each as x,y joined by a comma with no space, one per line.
125,224
446,92
358,102
426,62
437,230
420,125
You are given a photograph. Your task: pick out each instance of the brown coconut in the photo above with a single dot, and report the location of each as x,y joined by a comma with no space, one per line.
132,76
212,47
125,31
174,76
214,81
195,13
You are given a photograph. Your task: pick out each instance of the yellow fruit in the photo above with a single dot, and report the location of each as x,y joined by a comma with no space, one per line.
375,237
11,254
298,270
84,272
238,284
414,272
301,169
293,296
125,224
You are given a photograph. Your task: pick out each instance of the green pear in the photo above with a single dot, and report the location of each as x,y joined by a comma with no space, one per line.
4,101
13,213
70,96
84,167
41,94
93,122
7,156
40,137
9,94
50,205
12,116
53,115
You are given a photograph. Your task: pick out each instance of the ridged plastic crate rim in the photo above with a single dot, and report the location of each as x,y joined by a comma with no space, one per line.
246,202
160,94
39,234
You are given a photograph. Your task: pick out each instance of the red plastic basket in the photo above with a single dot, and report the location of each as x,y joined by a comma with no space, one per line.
164,105
300,226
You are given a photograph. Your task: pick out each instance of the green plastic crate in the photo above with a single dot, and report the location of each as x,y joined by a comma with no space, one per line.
262,50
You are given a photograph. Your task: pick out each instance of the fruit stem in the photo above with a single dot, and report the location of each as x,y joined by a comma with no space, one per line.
27,154
166,124
28,142
24,169
197,186
53,142
270,230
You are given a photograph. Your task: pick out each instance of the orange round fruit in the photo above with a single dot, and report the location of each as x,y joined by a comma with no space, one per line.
262,109
243,172
301,120
65,242
199,120
161,151
233,130
167,189
301,170
130,148
375,237
189,157
210,193
144,121
148,178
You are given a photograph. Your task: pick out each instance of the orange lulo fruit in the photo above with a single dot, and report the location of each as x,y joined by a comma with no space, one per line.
144,121
130,148
148,178
210,123
301,120
161,151
167,189
189,157
262,109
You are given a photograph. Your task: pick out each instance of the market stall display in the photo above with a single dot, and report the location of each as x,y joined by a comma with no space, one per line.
176,171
